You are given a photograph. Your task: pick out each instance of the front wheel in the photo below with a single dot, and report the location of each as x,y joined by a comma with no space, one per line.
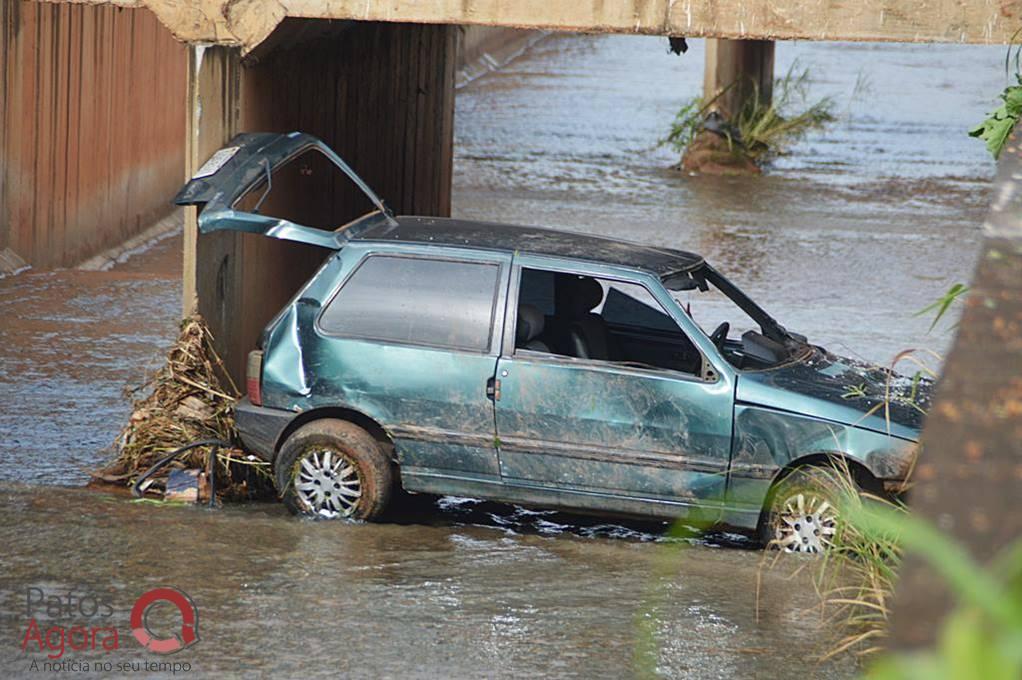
331,469
803,510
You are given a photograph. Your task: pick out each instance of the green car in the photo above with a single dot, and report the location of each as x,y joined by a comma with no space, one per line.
543,368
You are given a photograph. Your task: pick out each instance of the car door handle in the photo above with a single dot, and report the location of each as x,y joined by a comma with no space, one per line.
493,389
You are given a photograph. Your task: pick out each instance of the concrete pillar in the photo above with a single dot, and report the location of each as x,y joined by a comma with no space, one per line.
381,94
737,70
213,97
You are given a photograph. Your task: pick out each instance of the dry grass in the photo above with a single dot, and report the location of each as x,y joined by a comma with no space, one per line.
190,398
855,579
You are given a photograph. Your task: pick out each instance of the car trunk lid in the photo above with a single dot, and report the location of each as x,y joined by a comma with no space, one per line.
250,159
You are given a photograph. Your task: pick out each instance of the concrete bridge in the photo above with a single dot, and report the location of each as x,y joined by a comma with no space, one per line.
248,22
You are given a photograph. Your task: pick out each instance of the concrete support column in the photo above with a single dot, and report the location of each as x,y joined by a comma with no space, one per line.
210,280
736,70
380,94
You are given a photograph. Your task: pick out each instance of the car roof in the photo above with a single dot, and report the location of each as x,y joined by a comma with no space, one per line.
441,231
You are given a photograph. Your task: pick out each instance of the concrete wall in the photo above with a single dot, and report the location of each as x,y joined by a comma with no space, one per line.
482,49
92,122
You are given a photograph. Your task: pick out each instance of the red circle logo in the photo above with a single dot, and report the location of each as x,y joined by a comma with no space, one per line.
189,634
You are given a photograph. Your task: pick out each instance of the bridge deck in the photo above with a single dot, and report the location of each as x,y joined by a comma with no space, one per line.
248,22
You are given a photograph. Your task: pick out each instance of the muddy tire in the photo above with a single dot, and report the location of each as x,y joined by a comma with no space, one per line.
331,469
802,510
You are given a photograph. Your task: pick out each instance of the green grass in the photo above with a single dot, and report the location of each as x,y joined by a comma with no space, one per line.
940,307
764,129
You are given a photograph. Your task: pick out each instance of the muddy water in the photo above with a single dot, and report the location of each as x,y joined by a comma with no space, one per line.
843,240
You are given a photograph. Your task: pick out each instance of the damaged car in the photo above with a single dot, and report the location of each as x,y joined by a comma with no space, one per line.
543,368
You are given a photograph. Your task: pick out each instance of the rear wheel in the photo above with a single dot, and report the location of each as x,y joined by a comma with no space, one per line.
804,510
332,469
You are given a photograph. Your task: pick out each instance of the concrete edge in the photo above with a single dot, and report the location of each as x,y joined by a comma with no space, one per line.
11,264
485,49
165,227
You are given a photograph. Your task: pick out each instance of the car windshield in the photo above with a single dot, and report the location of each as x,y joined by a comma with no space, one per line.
746,335
710,308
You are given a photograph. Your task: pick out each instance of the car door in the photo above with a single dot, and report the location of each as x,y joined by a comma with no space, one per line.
411,339
612,435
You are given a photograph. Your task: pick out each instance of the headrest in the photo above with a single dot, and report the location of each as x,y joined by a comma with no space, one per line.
583,293
530,324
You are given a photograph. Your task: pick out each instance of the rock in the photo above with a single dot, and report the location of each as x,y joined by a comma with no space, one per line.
186,486
709,154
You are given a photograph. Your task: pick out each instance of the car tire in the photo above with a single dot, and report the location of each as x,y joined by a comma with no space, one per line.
333,469
802,509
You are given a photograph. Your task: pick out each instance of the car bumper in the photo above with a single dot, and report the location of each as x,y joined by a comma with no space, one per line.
260,427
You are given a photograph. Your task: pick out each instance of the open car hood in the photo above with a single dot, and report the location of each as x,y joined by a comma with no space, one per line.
245,162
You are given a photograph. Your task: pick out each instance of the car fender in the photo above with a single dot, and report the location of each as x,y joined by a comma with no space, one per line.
767,441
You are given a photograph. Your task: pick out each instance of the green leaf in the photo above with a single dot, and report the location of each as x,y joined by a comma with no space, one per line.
1013,101
968,653
1000,122
974,586
943,303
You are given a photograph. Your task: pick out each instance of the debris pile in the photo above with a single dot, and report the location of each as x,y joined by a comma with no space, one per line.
191,398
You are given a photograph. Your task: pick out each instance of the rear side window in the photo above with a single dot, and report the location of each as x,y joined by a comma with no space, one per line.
416,301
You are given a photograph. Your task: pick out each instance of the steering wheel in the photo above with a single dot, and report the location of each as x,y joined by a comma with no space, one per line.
719,335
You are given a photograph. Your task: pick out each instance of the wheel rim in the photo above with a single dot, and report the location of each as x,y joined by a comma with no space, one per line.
806,523
327,484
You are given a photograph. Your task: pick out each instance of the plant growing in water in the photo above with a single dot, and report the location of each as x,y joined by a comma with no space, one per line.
855,578
761,129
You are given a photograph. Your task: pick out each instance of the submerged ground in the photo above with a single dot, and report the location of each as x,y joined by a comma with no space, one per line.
843,240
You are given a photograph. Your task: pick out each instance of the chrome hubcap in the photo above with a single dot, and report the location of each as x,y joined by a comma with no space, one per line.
807,523
327,484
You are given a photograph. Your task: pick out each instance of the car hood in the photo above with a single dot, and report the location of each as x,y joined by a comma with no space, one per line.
842,390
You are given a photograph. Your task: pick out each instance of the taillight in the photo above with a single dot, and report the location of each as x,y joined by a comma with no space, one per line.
254,377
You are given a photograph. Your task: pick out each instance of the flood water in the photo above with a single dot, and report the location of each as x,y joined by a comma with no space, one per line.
862,225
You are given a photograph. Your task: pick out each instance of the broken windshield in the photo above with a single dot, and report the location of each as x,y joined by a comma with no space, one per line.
744,333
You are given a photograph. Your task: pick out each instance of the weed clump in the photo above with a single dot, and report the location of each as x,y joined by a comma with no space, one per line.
759,130
190,398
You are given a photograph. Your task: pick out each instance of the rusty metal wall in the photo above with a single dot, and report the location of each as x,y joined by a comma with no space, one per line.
92,125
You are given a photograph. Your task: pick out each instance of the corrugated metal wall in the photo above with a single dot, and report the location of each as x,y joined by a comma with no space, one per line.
92,125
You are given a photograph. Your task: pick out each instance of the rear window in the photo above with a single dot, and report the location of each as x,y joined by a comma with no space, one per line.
416,301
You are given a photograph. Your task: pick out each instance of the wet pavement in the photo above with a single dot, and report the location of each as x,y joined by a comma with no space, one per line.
859,227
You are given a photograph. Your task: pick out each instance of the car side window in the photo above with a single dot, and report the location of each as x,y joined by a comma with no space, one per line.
599,320
417,301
